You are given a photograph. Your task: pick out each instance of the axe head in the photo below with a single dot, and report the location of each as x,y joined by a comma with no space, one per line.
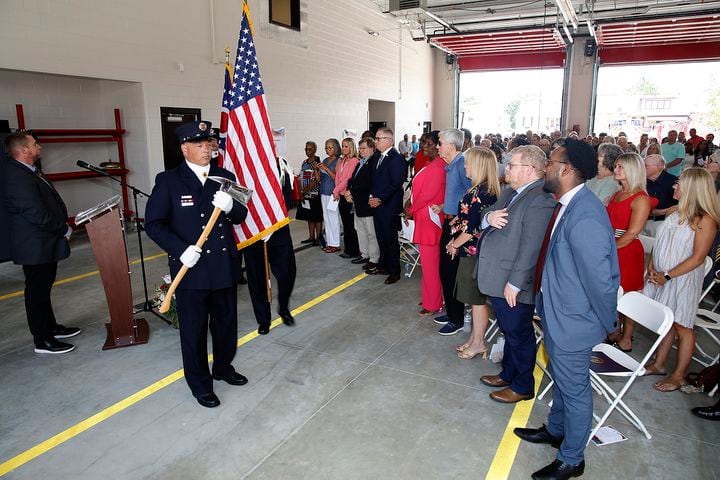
235,190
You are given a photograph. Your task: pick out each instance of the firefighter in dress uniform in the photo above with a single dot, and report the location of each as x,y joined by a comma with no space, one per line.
181,203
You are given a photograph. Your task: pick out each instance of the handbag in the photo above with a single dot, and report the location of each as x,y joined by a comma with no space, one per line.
296,191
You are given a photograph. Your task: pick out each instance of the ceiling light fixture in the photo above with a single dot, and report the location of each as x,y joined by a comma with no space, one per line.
568,12
591,28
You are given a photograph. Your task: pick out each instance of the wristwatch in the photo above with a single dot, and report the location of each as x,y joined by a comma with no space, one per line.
667,276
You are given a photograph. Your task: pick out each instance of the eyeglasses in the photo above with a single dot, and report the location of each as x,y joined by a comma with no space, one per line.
550,162
380,138
510,166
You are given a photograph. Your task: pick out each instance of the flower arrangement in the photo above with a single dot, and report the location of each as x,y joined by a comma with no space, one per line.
160,293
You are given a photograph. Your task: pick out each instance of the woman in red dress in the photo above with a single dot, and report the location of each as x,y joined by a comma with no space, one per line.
628,210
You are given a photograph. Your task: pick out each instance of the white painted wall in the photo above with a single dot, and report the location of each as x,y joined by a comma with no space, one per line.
317,81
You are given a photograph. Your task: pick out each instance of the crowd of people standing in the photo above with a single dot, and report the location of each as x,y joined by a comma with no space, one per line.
532,224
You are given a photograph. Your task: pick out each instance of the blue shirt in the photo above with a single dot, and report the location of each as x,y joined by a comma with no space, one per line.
327,184
456,184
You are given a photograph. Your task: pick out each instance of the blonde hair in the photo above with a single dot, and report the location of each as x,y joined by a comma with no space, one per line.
483,169
634,168
697,196
353,148
533,155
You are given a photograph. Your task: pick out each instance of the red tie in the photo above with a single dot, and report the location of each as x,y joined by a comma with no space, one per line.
543,250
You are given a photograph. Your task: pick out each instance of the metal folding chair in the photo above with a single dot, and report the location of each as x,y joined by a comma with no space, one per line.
608,361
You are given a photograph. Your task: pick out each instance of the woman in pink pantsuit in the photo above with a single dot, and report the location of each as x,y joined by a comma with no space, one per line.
428,194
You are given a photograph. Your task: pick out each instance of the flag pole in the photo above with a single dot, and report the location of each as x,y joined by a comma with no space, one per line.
267,273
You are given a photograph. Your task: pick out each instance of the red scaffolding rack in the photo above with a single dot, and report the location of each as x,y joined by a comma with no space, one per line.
84,135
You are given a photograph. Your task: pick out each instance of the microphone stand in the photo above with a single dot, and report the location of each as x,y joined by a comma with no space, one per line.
146,306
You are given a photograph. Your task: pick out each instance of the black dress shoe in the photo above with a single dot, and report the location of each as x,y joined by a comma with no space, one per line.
369,266
538,435
287,319
233,378
65,332
263,329
359,260
558,470
308,240
53,346
392,278
376,271
345,255
208,400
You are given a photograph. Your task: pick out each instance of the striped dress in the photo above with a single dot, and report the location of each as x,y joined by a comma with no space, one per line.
674,243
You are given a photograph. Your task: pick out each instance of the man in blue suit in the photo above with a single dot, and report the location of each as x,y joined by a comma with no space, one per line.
386,196
181,203
577,302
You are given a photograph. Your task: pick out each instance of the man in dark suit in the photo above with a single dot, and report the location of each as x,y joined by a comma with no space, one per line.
39,233
577,303
359,194
507,254
386,196
181,203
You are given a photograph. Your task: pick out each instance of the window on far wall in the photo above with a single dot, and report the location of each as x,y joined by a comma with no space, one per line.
285,13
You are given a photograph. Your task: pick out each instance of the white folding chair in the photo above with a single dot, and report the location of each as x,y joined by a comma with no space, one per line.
538,339
409,252
708,322
647,242
608,361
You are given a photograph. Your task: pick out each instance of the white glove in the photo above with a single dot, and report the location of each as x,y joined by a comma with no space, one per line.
68,232
223,201
190,256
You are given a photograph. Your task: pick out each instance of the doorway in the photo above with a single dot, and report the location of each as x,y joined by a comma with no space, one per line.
170,119
381,114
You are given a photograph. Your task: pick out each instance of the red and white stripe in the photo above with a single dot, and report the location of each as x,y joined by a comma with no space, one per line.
250,155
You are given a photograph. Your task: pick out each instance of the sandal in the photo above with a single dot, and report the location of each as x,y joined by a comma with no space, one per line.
462,348
469,356
424,312
666,387
331,249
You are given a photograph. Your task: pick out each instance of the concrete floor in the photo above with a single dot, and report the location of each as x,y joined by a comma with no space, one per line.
361,388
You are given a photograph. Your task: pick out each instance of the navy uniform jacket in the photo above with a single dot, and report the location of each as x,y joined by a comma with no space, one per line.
36,214
387,184
175,216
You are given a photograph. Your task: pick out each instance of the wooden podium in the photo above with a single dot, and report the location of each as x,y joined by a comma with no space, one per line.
104,226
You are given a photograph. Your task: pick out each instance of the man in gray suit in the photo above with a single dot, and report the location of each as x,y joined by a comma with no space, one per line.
577,303
508,251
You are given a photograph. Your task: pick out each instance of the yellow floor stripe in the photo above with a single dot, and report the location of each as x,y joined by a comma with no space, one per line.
506,451
80,277
118,407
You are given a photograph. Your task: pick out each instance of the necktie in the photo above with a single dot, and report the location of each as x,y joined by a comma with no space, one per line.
52,189
382,157
543,250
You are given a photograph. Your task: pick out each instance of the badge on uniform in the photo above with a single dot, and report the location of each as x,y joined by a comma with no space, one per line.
186,201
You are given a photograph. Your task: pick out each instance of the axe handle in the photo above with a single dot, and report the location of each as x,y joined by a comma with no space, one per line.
183,270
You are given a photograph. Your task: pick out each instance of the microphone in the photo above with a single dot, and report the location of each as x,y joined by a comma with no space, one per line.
87,166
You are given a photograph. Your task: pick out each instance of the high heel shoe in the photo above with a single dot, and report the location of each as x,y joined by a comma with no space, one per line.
469,356
461,348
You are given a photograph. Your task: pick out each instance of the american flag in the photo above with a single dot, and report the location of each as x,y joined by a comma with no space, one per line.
246,142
